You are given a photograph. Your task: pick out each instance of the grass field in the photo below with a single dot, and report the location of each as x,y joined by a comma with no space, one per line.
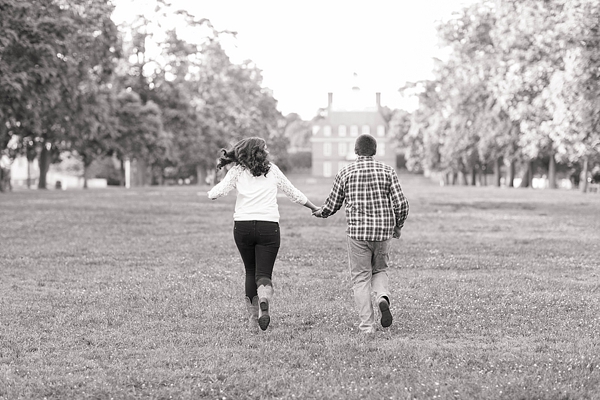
138,294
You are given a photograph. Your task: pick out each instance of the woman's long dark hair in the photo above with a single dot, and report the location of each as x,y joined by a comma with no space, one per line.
251,153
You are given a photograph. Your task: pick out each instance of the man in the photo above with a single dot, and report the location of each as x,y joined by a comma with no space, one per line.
5,176
375,212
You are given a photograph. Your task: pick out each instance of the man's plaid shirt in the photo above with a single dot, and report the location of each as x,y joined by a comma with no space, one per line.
374,199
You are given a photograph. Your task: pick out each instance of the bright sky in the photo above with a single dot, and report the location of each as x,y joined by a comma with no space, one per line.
311,47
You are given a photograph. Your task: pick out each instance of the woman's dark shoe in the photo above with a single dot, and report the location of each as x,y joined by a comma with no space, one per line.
263,315
265,294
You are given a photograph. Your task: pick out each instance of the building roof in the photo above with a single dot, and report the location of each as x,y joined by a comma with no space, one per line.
364,117
353,108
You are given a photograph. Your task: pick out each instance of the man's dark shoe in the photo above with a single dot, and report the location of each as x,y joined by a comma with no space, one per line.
386,315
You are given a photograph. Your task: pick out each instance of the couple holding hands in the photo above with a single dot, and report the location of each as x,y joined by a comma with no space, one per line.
375,207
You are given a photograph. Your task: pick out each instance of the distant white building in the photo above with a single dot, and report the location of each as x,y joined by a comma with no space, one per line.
334,135
21,170
66,175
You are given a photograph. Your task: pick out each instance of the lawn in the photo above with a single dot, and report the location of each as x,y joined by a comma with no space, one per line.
138,294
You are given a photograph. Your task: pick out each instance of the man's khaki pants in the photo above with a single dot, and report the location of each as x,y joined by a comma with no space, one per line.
368,269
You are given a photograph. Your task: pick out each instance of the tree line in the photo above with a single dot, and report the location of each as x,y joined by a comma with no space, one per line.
520,86
72,80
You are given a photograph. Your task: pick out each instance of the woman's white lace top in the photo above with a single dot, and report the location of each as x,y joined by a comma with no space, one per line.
256,195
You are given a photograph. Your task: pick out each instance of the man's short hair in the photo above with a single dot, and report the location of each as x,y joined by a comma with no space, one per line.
365,145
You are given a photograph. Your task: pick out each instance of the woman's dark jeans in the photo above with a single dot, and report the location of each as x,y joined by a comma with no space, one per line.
258,243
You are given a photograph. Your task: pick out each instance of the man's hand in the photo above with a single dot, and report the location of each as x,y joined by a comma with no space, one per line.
397,232
318,212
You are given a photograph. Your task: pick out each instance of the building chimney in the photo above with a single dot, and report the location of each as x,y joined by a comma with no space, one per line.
329,99
378,99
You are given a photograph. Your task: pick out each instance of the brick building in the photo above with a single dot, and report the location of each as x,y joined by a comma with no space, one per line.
333,136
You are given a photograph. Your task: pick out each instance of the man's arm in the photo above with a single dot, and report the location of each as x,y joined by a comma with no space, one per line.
399,203
336,197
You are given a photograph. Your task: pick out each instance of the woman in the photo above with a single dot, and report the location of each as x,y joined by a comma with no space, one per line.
256,217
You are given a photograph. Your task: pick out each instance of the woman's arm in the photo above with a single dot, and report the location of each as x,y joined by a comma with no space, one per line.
226,185
290,190
309,204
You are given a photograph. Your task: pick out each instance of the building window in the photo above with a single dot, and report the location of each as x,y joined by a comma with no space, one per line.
353,130
327,149
327,130
381,149
342,130
327,169
315,129
342,149
366,129
380,130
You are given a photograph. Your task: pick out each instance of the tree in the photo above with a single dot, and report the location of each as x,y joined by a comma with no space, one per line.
207,101
526,40
399,124
427,128
574,92
520,84
31,48
92,98
481,126
51,49
140,135
298,132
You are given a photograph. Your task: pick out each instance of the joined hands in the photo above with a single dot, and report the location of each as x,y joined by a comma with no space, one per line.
318,212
